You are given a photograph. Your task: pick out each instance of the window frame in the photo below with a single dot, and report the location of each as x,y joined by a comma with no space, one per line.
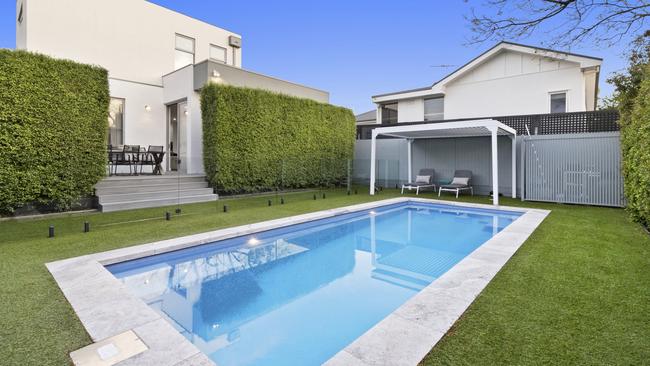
566,100
122,135
225,54
424,109
176,49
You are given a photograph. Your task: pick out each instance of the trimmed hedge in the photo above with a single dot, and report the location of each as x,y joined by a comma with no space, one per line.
53,129
635,141
255,140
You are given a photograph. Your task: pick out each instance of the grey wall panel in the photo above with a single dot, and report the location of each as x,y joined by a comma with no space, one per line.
574,168
443,155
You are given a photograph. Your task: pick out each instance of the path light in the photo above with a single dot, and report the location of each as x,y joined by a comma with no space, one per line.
323,195
225,208
314,196
282,200
51,231
269,202
168,216
86,227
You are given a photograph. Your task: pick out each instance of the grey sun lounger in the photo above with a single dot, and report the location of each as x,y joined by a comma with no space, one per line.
418,185
457,187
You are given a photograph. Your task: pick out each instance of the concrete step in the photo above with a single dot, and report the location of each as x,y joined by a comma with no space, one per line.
141,188
141,196
130,205
118,181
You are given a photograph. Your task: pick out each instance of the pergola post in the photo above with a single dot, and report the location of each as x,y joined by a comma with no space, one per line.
514,165
373,157
495,166
409,159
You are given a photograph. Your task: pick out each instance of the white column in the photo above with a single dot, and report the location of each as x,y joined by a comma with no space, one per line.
495,167
373,157
409,159
514,166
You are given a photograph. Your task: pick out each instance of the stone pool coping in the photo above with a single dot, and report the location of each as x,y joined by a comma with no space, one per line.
107,308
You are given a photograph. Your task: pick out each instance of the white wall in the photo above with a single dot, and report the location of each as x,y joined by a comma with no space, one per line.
513,83
180,86
133,39
509,83
141,127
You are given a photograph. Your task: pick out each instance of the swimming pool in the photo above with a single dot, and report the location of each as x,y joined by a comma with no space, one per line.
300,294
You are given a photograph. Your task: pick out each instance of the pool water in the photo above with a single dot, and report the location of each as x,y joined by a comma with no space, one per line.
298,295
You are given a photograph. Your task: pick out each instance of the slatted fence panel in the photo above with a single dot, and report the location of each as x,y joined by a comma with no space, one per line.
574,168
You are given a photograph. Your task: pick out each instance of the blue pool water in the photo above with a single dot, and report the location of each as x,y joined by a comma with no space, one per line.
298,295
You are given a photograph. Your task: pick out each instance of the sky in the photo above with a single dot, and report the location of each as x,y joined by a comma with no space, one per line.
352,48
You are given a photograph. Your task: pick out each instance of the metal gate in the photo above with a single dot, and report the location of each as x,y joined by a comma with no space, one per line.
574,168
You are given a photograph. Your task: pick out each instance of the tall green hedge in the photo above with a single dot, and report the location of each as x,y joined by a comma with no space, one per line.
53,129
635,141
255,140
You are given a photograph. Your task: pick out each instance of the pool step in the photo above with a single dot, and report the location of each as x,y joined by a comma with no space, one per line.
133,192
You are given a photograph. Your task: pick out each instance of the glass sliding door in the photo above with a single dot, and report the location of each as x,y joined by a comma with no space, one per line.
177,137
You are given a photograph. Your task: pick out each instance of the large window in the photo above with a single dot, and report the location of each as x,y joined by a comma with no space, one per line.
184,52
217,54
389,114
116,122
434,109
558,102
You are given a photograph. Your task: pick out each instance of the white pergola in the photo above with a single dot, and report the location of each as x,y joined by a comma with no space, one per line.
473,128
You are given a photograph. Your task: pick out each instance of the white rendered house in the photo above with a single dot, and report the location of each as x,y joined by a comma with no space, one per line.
508,79
157,60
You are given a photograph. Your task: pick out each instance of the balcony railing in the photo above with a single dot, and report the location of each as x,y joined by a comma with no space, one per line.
538,124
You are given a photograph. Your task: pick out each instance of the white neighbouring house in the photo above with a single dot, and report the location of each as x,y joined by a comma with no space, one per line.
157,60
508,79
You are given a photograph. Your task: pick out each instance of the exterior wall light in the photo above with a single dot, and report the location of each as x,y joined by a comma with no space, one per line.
147,108
215,74
186,111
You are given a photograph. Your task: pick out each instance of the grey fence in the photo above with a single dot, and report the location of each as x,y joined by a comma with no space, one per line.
573,168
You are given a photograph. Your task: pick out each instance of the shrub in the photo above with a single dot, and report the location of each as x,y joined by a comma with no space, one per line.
255,140
635,141
53,129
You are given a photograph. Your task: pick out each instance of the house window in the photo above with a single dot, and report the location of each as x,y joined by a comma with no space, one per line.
558,102
116,122
20,14
217,54
184,52
434,109
389,114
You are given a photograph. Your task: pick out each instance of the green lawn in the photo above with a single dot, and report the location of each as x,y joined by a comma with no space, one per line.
577,292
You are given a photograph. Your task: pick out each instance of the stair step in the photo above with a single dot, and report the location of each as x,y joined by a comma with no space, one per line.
106,190
117,181
130,205
125,197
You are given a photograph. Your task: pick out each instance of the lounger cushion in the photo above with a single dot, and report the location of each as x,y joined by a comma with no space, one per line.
454,186
460,180
422,179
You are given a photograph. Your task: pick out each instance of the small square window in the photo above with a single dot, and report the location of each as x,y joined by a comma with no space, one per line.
558,102
20,14
217,53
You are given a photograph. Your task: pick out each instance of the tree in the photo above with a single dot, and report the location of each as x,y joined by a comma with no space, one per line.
568,22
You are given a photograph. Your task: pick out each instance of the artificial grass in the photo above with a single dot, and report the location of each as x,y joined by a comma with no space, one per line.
576,292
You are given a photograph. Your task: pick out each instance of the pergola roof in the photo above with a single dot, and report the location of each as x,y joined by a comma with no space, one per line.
478,127
471,128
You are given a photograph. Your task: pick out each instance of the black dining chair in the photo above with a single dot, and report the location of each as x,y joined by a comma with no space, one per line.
154,152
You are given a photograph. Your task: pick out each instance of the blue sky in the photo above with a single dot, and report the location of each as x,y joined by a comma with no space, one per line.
351,48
